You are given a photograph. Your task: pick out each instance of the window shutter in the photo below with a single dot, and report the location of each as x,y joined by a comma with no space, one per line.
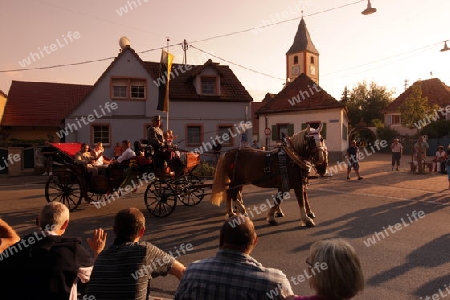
304,125
274,133
290,129
344,132
323,133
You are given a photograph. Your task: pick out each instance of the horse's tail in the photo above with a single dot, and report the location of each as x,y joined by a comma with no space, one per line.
218,193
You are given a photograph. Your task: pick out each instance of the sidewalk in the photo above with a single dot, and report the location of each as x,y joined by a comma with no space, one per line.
6,180
380,180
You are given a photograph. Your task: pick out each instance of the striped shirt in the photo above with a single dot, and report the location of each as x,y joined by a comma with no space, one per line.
124,271
232,275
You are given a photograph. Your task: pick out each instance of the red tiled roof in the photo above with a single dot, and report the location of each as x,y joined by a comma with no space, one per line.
182,85
41,103
435,90
302,88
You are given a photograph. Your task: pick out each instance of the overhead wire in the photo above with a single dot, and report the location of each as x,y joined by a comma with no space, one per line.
216,37
159,48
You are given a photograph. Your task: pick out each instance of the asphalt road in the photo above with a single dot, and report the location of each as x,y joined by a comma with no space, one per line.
408,260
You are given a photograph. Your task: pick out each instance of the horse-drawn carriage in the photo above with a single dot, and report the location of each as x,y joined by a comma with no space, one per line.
71,182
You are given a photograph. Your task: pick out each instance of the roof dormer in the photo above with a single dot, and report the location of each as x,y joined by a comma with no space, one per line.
207,79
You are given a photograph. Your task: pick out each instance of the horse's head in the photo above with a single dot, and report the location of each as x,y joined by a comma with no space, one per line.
310,145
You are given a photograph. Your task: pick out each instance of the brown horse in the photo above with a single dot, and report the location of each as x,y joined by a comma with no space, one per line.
286,168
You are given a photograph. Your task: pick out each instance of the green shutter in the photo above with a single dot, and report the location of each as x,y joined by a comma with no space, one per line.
324,130
274,133
304,125
344,132
290,129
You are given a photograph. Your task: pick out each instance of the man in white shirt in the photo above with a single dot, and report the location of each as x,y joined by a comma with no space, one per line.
127,152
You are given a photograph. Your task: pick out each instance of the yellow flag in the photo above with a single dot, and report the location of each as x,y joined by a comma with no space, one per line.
164,73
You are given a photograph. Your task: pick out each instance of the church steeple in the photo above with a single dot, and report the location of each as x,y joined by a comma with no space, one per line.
303,56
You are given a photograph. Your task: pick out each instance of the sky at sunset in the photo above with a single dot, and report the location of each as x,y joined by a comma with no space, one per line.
401,41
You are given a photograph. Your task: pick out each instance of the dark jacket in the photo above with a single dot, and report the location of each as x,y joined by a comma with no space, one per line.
41,267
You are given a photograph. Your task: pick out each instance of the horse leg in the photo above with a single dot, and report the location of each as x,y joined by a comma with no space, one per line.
279,213
229,213
271,214
304,219
309,212
239,203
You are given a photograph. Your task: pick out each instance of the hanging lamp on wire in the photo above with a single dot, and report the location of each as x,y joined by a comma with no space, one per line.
446,48
369,10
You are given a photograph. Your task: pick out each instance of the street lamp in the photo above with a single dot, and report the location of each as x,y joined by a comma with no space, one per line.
369,10
446,48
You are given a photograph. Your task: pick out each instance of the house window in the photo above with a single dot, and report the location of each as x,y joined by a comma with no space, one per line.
125,88
138,89
194,137
101,133
209,85
395,120
295,60
225,132
312,59
119,88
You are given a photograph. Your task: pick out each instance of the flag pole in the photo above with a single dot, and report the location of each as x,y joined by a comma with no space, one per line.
167,113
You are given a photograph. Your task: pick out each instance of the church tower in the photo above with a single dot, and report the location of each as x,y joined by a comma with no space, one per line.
303,56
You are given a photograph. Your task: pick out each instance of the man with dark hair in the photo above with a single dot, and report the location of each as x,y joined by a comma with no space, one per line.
124,270
233,273
352,156
86,157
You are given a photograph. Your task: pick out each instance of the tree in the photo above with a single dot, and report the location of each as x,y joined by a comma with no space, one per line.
415,109
367,102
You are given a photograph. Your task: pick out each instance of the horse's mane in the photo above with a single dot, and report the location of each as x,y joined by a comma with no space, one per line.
297,140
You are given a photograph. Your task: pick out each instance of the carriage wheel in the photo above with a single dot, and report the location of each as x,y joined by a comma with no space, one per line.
189,190
64,187
160,199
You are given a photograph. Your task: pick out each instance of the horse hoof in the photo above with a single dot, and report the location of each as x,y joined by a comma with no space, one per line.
311,215
279,215
272,222
310,223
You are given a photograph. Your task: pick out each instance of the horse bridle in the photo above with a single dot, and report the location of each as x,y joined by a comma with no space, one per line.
311,137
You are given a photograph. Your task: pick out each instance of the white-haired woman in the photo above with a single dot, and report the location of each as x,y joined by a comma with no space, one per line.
335,270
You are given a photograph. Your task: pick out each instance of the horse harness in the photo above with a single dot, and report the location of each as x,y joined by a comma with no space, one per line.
281,153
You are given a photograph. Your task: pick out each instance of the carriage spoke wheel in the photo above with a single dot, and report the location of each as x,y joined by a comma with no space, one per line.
190,190
160,199
64,187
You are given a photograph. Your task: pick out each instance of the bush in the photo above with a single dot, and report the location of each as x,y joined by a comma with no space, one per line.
204,169
436,129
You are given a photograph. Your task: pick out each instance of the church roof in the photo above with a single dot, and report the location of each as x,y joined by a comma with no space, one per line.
302,40
302,94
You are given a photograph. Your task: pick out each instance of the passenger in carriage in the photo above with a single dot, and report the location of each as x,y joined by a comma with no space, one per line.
163,151
127,152
138,149
87,158
100,162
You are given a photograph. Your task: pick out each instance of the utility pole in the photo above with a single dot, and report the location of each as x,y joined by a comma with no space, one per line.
185,46
406,84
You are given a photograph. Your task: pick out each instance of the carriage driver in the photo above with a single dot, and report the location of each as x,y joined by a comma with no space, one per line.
155,137
85,157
